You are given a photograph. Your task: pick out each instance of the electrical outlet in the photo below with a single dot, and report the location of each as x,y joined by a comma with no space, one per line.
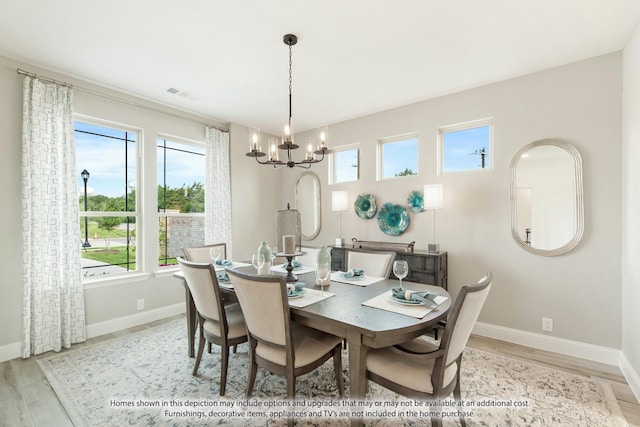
140,304
547,324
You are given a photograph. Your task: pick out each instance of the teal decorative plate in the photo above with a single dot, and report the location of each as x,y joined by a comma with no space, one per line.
416,201
393,219
365,206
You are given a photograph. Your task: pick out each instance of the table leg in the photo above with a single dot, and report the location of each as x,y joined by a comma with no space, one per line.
191,321
357,371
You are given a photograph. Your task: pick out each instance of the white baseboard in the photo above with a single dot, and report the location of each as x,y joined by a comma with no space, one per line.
14,350
113,325
631,375
595,353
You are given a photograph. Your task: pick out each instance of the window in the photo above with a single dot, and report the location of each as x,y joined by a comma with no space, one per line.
345,164
106,155
181,181
465,147
398,156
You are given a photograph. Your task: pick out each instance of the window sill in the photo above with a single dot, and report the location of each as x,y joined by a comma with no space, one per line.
115,280
167,272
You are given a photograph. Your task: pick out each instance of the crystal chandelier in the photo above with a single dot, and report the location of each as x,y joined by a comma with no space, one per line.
314,154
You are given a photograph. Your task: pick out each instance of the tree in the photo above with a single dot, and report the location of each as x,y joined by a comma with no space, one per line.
406,172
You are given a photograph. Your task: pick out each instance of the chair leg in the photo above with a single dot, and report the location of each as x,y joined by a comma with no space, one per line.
457,395
291,386
253,370
337,366
200,350
235,347
223,369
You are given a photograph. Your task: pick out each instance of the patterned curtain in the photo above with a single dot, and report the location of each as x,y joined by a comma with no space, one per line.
53,305
217,197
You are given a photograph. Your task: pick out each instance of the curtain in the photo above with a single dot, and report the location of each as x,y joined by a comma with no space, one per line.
217,197
53,304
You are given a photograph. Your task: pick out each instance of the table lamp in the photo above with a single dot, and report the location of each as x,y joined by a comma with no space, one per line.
433,202
339,203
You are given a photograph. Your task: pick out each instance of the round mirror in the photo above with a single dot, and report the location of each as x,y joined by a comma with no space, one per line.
307,202
547,216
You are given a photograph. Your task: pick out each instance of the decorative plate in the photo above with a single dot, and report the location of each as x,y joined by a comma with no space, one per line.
365,206
393,219
416,201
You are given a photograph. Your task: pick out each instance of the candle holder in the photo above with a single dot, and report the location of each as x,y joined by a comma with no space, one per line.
290,277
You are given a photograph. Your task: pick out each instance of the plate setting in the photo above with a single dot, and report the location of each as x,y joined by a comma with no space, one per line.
393,219
406,302
365,206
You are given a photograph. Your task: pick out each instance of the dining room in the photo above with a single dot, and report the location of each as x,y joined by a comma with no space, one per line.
572,301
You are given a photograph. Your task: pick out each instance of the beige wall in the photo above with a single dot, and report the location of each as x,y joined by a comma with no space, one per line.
631,210
579,103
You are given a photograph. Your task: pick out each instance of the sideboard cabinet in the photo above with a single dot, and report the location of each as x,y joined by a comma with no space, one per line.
424,267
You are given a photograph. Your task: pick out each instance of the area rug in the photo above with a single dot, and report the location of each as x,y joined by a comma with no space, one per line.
144,378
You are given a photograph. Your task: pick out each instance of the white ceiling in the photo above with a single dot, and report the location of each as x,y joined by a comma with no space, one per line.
353,57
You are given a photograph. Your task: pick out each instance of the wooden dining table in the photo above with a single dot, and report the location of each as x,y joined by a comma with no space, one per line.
344,315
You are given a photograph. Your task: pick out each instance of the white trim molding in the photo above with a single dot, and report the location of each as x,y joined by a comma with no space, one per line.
596,353
631,375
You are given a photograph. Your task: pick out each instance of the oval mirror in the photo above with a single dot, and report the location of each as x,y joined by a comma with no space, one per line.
547,214
307,202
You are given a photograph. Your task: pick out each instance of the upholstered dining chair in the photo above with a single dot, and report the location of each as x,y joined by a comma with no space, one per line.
202,253
374,263
219,324
277,343
310,256
423,369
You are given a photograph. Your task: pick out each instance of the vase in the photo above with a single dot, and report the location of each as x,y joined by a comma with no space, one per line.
265,251
324,257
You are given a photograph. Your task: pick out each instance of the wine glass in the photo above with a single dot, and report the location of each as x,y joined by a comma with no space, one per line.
257,260
215,254
400,269
323,270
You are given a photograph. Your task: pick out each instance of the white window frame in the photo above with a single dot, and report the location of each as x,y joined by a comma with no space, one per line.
463,126
391,140
99,280
332,171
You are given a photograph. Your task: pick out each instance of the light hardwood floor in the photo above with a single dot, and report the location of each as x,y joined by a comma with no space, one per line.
27,399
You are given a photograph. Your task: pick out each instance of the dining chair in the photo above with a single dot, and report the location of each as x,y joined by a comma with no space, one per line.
220,324
374,263
277,343
202,253
310,257
424,369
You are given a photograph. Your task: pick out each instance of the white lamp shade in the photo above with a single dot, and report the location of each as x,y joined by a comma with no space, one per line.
339,201
433,197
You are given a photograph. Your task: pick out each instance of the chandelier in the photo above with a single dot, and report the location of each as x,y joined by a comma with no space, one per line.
314,154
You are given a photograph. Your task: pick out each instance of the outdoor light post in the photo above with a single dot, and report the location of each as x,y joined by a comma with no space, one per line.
85,177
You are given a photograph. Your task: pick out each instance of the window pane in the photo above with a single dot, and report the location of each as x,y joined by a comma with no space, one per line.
399,158
181,181
110,247
108,155
345,165
466,149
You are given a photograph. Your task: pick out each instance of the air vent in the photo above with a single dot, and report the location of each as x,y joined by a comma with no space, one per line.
183,93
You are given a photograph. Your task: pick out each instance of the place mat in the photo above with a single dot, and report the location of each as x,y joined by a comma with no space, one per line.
336,276
311,296
235,264
385,302
300,270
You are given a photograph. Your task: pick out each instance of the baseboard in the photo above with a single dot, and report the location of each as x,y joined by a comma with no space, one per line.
14,350
120,323
595,353
10,351
631,375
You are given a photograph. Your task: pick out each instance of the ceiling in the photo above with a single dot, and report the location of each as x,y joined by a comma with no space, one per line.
353,57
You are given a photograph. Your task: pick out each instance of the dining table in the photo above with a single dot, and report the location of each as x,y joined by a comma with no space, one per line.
347,313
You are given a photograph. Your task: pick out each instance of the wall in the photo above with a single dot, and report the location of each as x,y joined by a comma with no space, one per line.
579,103
112,305
631,213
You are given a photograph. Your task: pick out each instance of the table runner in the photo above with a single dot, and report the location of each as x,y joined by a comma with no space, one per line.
336,276
311,296
385,302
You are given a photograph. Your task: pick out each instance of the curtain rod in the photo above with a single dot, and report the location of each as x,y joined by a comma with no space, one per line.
104,95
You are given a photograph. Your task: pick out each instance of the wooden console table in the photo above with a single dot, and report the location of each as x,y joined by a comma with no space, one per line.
424,267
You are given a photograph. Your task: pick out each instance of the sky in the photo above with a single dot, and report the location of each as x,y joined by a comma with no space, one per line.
105,159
